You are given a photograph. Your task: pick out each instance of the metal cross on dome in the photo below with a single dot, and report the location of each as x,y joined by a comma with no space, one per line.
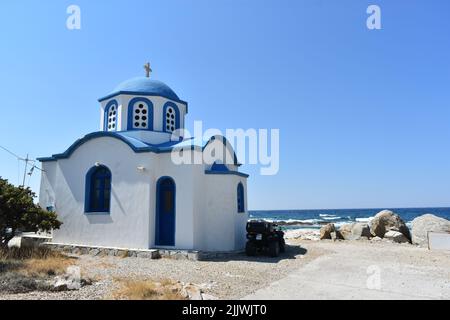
147,69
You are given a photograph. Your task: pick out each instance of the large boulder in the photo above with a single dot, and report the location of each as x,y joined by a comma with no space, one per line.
354,231
326,230
425,223
385,221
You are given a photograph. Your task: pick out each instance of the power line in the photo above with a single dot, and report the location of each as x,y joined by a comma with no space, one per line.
27,161
12,153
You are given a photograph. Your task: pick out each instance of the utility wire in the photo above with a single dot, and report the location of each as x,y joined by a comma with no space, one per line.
27,161
12,153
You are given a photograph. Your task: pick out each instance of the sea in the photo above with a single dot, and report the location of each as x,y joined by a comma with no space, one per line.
314,219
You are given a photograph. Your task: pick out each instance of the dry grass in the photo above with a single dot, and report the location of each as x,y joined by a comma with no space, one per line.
46,267
148,290
28,253
36,261
26,269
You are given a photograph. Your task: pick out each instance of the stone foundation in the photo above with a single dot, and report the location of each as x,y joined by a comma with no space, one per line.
139,253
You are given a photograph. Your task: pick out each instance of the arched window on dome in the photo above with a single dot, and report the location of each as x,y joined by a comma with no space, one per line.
98,189
240,198
171,120
140,114
110,118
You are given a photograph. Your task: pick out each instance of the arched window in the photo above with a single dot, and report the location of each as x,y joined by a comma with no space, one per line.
98,189
140,114
171,117
240,198
111,116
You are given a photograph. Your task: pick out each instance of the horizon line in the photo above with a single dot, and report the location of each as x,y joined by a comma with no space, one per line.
380,208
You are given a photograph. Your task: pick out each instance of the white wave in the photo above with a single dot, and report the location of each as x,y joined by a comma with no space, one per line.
308,221
366,220
332,218
294,221
327,215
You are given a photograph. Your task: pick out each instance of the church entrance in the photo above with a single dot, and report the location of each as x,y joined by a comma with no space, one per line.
165,212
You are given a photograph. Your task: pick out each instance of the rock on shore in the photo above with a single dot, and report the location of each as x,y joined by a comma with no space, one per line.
385,221
426,223
354,231
326,230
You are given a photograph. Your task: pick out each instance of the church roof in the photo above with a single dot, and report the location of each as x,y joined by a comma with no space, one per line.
135,144
144,86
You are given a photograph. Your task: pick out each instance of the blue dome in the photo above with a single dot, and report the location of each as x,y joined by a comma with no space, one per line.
143,85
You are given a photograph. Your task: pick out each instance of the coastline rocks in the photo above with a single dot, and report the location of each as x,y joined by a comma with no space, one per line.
385,221
354,231
428,222
326,230
396,236
303,234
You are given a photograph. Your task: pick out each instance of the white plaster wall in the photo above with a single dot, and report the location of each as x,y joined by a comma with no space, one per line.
218,225
206,205
223,227
184,200
127,223
48,180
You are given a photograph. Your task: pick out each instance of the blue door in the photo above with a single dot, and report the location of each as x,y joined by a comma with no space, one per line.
165,212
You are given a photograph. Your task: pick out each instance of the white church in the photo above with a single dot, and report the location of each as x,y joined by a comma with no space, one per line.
120,187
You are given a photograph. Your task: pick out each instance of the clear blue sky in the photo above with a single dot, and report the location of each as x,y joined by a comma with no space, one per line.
364,116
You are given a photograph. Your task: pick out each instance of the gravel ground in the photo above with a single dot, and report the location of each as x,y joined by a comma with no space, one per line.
233,278
408,270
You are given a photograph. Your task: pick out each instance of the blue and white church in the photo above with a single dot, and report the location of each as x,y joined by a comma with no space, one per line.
119,187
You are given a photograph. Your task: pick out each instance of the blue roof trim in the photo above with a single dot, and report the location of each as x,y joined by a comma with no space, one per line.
135,144
236,173
136,93
219,167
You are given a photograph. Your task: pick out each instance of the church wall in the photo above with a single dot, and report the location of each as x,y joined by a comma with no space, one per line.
206,205
158,103
183,175
127,223
46,190
218,225
241,218
224,226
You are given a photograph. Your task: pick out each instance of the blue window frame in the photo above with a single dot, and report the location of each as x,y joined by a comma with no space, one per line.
171,117
110,118
98,189
140,114
240,198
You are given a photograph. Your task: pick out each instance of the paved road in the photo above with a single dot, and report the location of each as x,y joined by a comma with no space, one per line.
351,271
